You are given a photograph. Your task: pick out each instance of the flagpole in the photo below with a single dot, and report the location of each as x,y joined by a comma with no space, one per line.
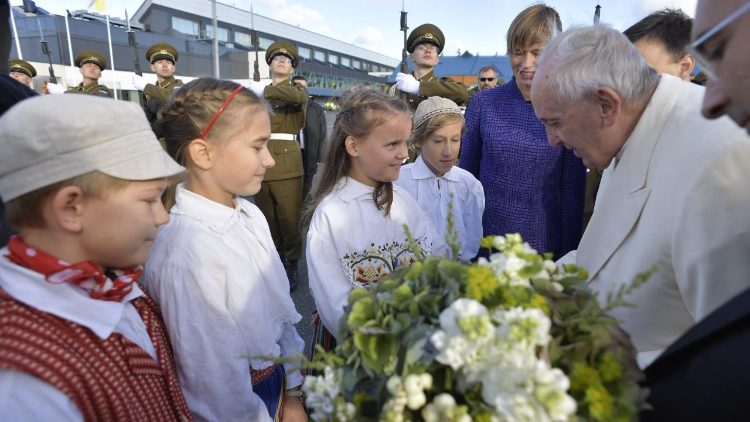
111,58
15,34
70,44
216,39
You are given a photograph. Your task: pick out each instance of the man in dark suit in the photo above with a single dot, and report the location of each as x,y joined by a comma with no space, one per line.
313,138
705,374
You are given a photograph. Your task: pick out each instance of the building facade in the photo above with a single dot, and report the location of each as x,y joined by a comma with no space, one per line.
331,66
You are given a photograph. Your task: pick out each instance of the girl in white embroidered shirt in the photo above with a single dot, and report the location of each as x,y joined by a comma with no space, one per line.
356,215
434,180
214,270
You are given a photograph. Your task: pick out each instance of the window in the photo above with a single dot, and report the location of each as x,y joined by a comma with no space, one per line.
346,61
264,42
186,26
357,64
320,56
333,58
243,39
304,52
223,34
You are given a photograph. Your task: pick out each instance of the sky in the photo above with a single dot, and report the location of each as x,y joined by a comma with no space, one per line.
477,26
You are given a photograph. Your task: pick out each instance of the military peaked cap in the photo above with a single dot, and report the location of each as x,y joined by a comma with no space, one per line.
18,65
91,56
284,48
426,33
161,51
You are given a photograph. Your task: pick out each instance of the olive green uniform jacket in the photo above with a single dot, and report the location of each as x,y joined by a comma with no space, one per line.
432,86
158,95
91,89
289,103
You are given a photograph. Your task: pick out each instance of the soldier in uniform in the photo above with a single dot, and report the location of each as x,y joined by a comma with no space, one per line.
21,70
425,43
163,59
91,64
280,196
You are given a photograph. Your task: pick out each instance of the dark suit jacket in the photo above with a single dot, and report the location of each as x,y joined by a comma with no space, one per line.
705,374
315,137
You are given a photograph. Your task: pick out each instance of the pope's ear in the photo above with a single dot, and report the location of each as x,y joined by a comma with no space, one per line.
610,105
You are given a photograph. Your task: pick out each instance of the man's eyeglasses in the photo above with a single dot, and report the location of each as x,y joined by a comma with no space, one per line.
427,47
697,47
486,79
282,59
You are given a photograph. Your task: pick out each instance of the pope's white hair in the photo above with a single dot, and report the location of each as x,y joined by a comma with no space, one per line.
585,59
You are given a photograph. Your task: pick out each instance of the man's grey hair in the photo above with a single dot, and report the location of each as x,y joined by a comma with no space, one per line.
586,59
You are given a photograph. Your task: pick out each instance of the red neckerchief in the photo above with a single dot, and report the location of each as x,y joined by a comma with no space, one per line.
85,274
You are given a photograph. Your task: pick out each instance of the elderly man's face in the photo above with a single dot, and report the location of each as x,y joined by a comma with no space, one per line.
487,80
728,53
572,124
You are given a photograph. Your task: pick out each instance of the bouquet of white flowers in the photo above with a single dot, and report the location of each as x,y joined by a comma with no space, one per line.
511,338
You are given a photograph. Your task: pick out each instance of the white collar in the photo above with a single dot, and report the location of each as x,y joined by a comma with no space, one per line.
62,300
638,148
217,217
349,189
419,170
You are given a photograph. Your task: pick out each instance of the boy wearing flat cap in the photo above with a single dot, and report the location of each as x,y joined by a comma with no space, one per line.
280,196
79,339
21,70
163,59
91,64
425,43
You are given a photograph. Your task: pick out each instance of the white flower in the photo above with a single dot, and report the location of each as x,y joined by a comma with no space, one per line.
551,391
443,409
527,327
465,328
321,392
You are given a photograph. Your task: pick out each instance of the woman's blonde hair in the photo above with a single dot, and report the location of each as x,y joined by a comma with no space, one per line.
361,112
535,24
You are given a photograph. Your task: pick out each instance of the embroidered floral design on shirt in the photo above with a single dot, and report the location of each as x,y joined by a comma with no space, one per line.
377,261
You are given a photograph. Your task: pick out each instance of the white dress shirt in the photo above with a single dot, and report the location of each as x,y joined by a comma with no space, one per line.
351,244
224,296
434,194
24,397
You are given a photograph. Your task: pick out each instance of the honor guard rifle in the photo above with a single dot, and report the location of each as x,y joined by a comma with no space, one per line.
46,52
256,44
404,28
137,62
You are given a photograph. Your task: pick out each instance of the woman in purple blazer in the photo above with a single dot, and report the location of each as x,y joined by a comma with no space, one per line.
530,188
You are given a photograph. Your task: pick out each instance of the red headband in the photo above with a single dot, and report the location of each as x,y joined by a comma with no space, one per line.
219,111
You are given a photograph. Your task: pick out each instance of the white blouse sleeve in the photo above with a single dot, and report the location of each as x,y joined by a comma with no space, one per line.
201,314
329,284
473,210
292,346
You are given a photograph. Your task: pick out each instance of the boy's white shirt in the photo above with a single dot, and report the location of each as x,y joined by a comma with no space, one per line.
224,297
433,194
24,397
346,227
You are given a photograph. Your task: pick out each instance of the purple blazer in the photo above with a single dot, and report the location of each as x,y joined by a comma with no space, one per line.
530,188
